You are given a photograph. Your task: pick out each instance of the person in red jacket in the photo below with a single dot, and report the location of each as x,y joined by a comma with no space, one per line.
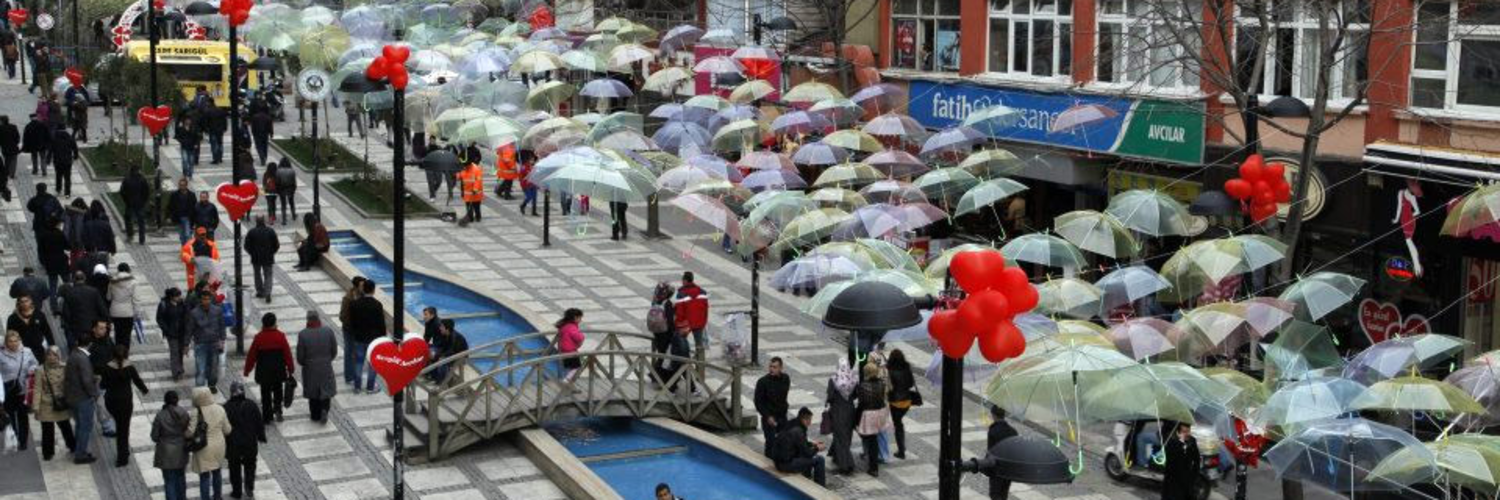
270,356
691,306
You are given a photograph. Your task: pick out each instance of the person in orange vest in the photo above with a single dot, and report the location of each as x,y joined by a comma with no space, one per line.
471,183
198,250
505,170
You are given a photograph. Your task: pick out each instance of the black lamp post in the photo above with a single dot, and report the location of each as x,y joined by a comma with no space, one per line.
779,23
234,168
398,261
1020,459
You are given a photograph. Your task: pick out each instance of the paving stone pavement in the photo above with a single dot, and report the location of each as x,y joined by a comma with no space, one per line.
350,458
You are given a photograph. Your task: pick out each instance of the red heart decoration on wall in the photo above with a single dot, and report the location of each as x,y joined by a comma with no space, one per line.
17,16
398,365
154,119
1378,319
237,199
74,75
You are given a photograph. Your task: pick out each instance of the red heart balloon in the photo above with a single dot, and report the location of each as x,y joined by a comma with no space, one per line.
951,336
398,365
977,270
154,119
1262,211
399,78
992,346
74,75
1283,192
983,309
1012,342
17,16
1238,189
396,53
1275,172
1263,193
238,199
1253,168
378,69
1022,298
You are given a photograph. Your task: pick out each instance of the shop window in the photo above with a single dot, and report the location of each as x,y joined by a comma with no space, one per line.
1031,37
1150,43
1288,35
925,34
1456,59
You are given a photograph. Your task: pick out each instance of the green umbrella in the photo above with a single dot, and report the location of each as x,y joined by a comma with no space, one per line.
617,122
1210,261
636,33
890,256
1414,393
604,181
1300,347
810,93
1048,388
841,111
707,101
946,184
1096,232
536,61
321,47
1150,212
991,163
937,268
807,229
273,37
624,57
859,254
778,209
601,42
584,60
613,23
751,91
493,131
1458,462
848,175
838,198
1170,391
1252,393
1217,327
548,95
447,123
741,135
1043,249
1068,296
987,193
854,140
667,80
1322,293
1475,210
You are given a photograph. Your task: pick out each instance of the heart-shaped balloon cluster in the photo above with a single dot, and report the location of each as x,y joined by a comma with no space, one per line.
120,35
390,65
238,11
17,16
541,18
196,31
1259,187
996,294
75,76
154,119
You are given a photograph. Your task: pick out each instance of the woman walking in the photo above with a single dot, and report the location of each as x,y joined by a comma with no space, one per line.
209,461
169,430
841,415
270,356
17,366
903,396
269,187
51,404
122,308
569,340
116,378
36,334
874,416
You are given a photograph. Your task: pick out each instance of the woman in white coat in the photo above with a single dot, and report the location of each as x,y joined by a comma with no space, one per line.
209,461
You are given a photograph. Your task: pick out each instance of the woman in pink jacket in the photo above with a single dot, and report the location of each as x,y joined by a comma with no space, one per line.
569,340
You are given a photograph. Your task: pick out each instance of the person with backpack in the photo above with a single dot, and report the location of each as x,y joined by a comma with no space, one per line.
210,426
661,322
692,311
169,432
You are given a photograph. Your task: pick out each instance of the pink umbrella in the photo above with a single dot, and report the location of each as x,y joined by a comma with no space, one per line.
892,191
766,160
897,163
1081,115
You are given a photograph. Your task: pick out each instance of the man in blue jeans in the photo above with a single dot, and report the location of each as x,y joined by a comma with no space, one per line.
82,392
356,290
366,324
206,328
180,205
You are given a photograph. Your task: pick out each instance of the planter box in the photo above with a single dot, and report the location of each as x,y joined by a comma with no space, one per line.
356,192
336,158
97,160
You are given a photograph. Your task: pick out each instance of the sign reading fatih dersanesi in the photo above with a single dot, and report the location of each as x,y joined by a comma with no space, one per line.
1140,128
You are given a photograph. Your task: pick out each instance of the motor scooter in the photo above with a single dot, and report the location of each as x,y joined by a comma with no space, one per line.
1120,463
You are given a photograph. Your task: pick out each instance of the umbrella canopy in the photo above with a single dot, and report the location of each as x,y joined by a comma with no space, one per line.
800,122
1043,249
1309,400
773,180
1150,212
992,119
893,191
596,174
809,93
854,140
956,140
674,136
1070,297
838,198
322,47
492,131
733,113
1129,284
1340,454
1218,327
1208,262
897,163
720,65
848,175
624,57
447,123
807,229
548,95
1266,314
880,97
819,154
584,60
896,125
772,210
681,37
843,112
1397,356
1253,393
937,268
711,211
1456,461
1170,391
1047,388
946,184
667,80
1413,393
1482,382
992,163
987,193
740,135
765,160
813,271
751,91
1473,211
606,88
1096,232
1322,293
536,61
1300,348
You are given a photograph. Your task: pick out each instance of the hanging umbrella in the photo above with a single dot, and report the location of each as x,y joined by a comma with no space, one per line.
1096,232
1170,391
323,47
946,184
674,135
987,193
733,196
1210,261
848,175
584,60
800,122
893,191
808,228
679,179
1475,210
854,140
1482,382
539,132
636,33
992,119
1043,249
1150,212
681,37
1080,116
765,160
733,113
1322,293
843,112
897,163
1048,388
896,125
1069,297
1218,327
1414,393
871,221
913,283
838,198
1141,338
447,123
1340,454
881,97
811,272
490,130
957,140
1456,462
363,22
1300,348
937,268
740,136
777,207
1306,401
617,122
1252,393
975,369
751,91
710,211
613,182
1266,314
860,254
606,88
503,95
1400,355
624,58
1129,284
536,61
719,37
819,154
773,180
627,140
667,80
429,61
719,65
991,163
808,93
887,255
549,95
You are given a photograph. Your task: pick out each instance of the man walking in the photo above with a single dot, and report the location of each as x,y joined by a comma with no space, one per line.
180,207
206,214
84,306
617,228
214,123
262,244
171,316
770,401
346,319
136,193
36,139
64,151
367,323
247,430
10,148
316,349
471,181
81,390
261,129
692,310
206,328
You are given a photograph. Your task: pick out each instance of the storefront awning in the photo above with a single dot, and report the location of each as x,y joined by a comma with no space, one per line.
1445,165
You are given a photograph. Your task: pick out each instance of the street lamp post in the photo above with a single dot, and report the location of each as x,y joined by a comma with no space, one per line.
155,144
317,164
234,169
398,269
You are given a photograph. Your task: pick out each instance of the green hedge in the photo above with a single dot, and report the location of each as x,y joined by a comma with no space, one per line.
373,196
335,157
111,160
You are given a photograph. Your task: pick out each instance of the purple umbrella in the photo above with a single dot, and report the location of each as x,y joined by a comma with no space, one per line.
605,88
892,191
896,125
953,140
773,180
882,96
680,37
766,160
870,221
896,163
732,114
800,122
668,111
819,154
715,165
672,136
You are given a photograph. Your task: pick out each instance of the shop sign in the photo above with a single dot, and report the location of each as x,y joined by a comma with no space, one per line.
1139,128
1382,320
1181,190
1400,269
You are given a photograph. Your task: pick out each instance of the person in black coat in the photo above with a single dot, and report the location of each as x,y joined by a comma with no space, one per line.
188,140
135,191
206,214
1183,461
246,431
44,207
792,452
84,306
52,252
286,190
116,377
770,400
64,151
448,343
10,148
366,324
36,139
181,206
171,316
214,123
1000,430
261,129
262,244
98,234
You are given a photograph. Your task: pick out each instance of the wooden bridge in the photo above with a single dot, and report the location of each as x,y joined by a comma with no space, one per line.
516,383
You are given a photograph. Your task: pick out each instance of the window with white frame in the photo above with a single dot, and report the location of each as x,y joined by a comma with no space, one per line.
1151,43
925,34
1456,57
1031,37
1289,34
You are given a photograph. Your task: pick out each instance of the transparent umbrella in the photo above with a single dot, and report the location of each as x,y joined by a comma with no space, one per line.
742,135
674,135
987,193
799,122
777,207
887,255
773,180
624,57
1129,284
1069,297
991,163
1048,388
956,140
1267,314
813,271
605,88
1253,393
1322,293
1473,211
710,211
896,125
322,47
819,154
548,95
946,184
1171,391
584,60
1309,400
809,228
1340,455
1096,232
854,140
897,163
1043,249
1455,461
1300,348
893,191
1482,382
880,97
536,61
488,130
1414,393
1150,212
809,93
667,80
992,119
751,91
447,123
765,160
680,37
848,175
615,182
1218,327
843,112
1397,356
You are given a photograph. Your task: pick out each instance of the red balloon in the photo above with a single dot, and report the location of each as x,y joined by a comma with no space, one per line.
983,309
1260,212
1013,343
1013,277
946,328
977,270
1283,192
1022,298
1265,196
399,78
992,345
942,323
1276,172
1238,189
396,53
1253,168
378,69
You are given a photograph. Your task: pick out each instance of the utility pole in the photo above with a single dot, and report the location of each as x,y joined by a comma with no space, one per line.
234,167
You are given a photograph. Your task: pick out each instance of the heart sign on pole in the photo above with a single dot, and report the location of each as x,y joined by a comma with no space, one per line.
17,16
154,119
237,199
75,76
396,364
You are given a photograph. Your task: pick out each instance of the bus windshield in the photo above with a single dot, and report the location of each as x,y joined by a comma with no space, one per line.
195,72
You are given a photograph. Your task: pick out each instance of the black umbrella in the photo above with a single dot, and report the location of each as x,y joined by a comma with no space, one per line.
358,84
441,160
1026,460
872,306
266,63
200,9
1212,203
